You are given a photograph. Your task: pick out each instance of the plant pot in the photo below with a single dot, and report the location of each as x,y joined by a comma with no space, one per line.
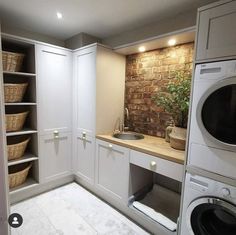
178,138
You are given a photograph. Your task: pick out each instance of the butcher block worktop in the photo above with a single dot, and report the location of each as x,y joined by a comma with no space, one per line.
151,145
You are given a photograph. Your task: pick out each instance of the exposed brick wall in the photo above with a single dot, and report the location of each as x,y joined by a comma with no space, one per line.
145,74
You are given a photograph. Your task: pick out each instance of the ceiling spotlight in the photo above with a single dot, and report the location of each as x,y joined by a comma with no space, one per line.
59,15
171,42
142,49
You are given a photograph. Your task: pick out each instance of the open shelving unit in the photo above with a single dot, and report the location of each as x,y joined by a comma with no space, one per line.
27,74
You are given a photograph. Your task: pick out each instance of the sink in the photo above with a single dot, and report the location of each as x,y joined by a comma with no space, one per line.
128,136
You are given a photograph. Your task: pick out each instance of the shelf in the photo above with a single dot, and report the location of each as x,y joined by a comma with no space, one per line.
21,103
25,131
28,157
29,183
20,74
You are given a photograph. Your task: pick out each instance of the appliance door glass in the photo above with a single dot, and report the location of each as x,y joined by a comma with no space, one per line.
209,218
218,114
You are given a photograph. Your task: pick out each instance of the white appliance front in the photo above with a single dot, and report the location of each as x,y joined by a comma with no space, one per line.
212,139
208,207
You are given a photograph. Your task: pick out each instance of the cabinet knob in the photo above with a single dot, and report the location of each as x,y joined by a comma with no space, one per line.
56,134
110,146
83,135
153,164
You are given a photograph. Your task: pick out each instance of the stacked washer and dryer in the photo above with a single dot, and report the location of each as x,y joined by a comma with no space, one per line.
209,201
209,191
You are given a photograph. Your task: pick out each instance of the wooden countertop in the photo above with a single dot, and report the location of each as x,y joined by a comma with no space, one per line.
154,146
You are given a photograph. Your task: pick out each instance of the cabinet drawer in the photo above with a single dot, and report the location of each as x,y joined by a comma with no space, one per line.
161,166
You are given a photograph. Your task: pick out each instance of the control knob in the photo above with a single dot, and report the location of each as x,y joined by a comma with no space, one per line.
225,192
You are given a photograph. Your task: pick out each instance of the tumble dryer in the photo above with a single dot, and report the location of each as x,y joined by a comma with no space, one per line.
212,138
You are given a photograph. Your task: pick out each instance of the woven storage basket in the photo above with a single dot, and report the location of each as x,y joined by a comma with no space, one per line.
12,62
16,151
14,92
18,174
15,122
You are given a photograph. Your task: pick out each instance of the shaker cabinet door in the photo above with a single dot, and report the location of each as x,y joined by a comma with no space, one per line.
54,82
55,156
84,158
85,90
217,32
112,170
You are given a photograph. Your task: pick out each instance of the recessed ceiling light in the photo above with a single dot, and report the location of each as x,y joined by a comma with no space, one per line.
142,49
171,42
59,15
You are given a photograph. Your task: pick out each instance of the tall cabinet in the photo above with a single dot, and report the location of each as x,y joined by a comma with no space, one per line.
99,75
54,73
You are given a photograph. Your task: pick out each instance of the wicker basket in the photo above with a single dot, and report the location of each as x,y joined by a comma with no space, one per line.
14,92
15,122
12,62
18,174
16,151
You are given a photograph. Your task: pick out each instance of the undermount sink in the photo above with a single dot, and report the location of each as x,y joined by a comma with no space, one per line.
128,136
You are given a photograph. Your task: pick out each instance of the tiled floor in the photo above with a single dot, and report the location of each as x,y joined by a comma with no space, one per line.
71,210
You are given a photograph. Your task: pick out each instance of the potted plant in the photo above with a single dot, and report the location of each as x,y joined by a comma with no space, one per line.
174,99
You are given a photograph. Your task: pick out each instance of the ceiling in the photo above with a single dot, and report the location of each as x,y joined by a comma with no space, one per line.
101,18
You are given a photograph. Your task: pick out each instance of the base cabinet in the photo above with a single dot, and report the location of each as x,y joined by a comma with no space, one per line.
55,156
112,170
84,158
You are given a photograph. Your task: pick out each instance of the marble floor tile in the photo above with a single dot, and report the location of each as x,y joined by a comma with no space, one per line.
71,210
34,220
68,222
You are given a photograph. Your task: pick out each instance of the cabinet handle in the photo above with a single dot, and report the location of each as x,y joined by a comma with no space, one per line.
153,164
56,134
110,146
84,135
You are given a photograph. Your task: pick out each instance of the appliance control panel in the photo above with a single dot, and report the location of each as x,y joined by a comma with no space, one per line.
211,187
215,70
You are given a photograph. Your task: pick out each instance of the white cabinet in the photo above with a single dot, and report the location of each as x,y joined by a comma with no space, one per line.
112,170
54,81
216,34
54,93
98,95
158,165
55,156
85,92
84,158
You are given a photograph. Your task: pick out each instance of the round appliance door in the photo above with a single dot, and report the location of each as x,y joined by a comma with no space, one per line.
211,216
216,113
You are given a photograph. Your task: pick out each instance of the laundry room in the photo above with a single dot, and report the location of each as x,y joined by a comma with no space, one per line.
118,117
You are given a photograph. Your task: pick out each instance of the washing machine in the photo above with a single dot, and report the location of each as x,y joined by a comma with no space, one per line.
209,207
212,138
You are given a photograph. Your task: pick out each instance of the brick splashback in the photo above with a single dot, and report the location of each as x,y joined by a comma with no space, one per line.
145,74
